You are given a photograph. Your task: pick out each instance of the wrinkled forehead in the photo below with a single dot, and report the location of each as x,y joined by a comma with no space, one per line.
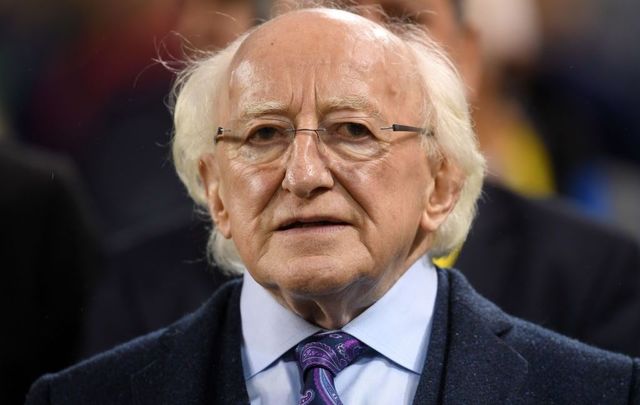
333,53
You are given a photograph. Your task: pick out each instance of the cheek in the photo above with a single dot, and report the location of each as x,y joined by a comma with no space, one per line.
389,190
376,184
250,190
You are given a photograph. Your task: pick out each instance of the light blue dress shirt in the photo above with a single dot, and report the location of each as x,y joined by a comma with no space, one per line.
397,327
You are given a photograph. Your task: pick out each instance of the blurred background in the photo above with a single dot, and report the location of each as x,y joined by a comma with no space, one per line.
83,102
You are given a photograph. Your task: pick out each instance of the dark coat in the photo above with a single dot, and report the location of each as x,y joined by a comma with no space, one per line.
477,354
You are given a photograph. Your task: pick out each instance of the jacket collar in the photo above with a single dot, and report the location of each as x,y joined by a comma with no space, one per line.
183,370
469,360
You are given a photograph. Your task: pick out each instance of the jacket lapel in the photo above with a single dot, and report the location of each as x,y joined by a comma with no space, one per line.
184,372
468,361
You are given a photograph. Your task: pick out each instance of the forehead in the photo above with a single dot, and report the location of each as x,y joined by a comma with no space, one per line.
327,57
321,27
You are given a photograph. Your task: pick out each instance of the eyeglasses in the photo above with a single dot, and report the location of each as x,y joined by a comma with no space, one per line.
264,140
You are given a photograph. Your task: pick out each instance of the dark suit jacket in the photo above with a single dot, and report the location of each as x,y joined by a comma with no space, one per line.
477,354
541,261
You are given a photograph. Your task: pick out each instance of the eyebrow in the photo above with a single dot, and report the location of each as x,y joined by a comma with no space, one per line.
253,110
356,103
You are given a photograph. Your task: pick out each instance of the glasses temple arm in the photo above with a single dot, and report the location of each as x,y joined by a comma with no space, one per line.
407,128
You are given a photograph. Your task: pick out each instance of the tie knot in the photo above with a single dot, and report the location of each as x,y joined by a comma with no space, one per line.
332,351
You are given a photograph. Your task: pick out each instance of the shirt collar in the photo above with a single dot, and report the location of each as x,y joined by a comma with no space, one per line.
397,326
269,329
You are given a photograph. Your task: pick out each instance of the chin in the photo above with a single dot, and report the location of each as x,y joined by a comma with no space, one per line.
317,276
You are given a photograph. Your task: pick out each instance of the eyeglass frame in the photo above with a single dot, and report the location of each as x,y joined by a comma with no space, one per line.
393,127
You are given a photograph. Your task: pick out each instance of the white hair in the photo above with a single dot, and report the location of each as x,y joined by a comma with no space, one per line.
199,87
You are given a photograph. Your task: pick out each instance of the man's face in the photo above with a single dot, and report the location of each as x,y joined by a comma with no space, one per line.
310,223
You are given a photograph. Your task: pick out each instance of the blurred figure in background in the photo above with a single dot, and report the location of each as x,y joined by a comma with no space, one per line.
49,255
584,105
161,272
101,89
509,42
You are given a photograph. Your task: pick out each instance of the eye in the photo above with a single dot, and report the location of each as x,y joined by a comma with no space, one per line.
266,135
352,131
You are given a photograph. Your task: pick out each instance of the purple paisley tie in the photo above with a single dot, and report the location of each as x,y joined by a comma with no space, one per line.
320,358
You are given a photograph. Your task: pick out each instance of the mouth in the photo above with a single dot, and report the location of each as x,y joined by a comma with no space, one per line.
310,223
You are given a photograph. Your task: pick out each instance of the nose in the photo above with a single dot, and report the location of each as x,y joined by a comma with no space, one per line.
306,170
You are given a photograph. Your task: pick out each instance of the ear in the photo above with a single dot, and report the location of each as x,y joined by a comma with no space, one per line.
443,194
209,175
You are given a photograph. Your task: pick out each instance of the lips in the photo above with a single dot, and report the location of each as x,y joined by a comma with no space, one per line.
295,223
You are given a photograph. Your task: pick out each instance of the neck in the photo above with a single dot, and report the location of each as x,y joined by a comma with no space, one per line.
331,311
334,310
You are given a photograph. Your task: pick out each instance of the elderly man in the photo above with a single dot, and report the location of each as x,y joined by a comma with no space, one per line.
334,155
585,289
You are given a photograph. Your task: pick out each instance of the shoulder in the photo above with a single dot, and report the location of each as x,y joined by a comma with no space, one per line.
551,354
557,368
560,367
103,376
109,375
